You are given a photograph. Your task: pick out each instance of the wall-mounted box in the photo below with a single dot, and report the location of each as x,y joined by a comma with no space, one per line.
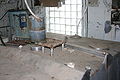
19,23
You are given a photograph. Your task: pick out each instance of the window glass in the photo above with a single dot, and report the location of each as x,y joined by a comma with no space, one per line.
63,20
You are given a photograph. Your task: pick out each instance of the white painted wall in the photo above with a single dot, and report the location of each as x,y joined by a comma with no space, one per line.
97,15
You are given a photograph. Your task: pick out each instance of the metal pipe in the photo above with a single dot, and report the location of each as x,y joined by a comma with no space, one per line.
43,49
81,19
36,17
63,45
51,51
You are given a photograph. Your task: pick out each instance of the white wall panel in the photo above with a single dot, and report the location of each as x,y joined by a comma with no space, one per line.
97,15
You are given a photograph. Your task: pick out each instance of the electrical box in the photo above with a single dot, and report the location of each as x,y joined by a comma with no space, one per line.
19,23
23,20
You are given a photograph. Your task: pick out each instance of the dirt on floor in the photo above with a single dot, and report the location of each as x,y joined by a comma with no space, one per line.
79,58
19,64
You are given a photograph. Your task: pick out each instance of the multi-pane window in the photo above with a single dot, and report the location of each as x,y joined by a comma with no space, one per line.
65,19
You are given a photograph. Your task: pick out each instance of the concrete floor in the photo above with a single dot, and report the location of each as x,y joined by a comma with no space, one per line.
24,64
16,64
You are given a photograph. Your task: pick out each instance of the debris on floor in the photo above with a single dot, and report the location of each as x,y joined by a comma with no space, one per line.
20,47
70,64
16,64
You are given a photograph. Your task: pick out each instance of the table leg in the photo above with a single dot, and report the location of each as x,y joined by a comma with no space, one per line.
63,46
51,51
43,49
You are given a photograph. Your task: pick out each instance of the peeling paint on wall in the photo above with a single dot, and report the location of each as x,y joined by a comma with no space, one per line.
4,7
97,16
93,3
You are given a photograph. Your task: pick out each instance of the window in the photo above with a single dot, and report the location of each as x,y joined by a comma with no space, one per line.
65,19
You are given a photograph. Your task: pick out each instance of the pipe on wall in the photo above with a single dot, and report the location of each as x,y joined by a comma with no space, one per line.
36,17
